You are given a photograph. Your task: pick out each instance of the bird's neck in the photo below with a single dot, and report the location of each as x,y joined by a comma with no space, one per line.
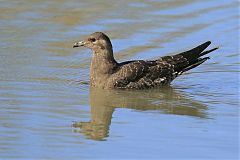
103,65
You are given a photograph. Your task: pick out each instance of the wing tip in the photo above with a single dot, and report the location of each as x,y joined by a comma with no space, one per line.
207,43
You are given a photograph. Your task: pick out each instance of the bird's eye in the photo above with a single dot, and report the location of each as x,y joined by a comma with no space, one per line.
92,39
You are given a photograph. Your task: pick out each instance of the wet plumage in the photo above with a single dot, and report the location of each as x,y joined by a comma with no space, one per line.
138,74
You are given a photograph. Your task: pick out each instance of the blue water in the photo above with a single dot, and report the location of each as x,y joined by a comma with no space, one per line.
49,111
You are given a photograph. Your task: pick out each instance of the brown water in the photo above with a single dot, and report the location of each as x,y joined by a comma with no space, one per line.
48,111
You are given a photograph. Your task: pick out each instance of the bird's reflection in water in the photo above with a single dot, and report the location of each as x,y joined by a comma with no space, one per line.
104,102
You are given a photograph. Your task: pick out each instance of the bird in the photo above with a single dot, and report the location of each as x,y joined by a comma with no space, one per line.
107,73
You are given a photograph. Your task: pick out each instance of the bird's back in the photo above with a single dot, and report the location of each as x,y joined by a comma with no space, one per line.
148,74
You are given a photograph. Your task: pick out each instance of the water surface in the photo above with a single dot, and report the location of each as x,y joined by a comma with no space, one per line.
48,110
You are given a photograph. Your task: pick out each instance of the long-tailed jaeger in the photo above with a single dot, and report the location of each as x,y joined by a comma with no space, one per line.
106,72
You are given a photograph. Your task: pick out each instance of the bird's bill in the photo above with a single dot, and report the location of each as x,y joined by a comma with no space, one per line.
78,44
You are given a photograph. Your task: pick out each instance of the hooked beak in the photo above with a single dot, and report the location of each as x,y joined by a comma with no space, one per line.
78,44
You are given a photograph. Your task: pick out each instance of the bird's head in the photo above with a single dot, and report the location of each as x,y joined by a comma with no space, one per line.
97,41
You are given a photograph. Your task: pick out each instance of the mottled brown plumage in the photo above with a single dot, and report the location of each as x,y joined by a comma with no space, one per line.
138,74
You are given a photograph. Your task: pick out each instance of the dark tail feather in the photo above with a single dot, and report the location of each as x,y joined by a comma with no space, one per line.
208,51
190,59
199,61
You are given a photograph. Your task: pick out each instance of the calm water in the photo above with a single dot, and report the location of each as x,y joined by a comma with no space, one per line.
48,110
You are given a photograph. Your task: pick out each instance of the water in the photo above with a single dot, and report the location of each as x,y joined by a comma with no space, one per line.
48,111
